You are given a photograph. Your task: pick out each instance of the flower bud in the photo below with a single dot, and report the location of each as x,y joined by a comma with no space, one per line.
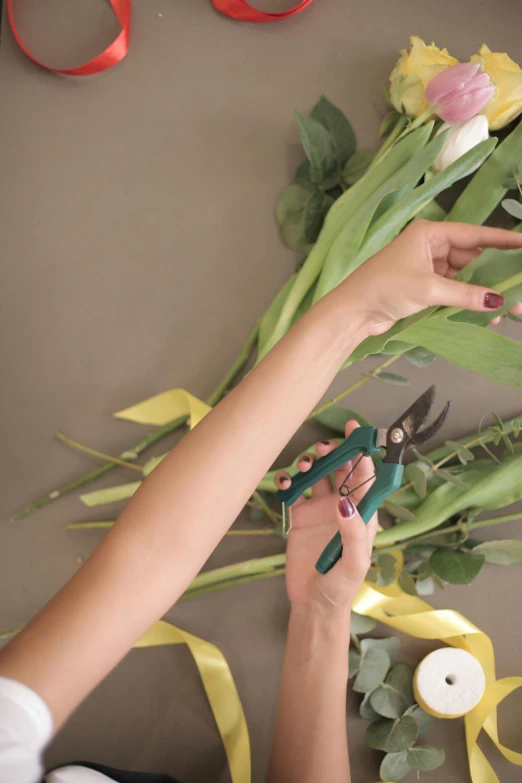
460,92
462,137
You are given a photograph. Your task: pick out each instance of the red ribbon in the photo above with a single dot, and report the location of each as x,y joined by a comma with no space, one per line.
112,55
239,9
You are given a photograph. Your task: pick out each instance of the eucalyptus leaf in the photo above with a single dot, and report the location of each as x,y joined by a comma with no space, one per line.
335,418
451,477
386,573
333,119
513,207
407,583
371,575
320,150
391,377
457,568
392,736
394,766
422,719
417,477
393,697
426,758
365,710
420,357
464,454
506,551
357,165
354,661
373,667
399,512
360,624
391,644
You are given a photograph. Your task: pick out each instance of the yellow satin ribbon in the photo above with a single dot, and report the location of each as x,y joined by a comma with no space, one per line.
411,615
220,689
165,407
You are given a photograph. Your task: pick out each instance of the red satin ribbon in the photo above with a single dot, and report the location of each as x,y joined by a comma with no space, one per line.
112,55
239,9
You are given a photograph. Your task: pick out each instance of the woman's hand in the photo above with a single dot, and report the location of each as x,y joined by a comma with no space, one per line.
314,522
415,271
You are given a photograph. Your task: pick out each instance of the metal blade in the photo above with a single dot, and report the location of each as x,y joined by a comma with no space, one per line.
412,420
427,432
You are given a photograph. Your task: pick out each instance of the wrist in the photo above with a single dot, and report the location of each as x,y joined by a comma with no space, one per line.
348,316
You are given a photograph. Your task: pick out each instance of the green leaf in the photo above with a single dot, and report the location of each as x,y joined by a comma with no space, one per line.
447,476
373,667
302,176
314,214
420,357
407,583
354,661
336,417
360,624
516,428
290,216
425,586
395,695
507,551
399,512
365,709
392,736
418,478
486,190
389,122
464,454
357,165
386,573
422,719
510,183
391,644
394,766
513,207
371,575
457,568
432,211
333,119
390,377
426,758
110,494
319,148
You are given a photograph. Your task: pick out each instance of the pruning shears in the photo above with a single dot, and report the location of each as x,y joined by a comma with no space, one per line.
364,442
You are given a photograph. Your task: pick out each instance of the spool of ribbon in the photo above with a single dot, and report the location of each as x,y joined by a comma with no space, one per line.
112,55
448,683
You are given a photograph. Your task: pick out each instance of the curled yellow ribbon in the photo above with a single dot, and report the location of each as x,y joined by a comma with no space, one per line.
165,407
220,689
416,617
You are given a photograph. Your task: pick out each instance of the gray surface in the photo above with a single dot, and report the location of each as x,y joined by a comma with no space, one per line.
138,245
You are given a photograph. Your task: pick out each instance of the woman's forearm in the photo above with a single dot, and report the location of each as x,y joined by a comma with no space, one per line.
173,523
310,742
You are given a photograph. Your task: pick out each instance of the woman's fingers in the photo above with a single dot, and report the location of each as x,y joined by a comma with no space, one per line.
517,309
468,237
457,257
465,296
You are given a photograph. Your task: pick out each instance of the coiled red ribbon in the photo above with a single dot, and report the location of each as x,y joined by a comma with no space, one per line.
113,54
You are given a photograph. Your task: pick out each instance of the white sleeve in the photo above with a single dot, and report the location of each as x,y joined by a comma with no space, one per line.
26,727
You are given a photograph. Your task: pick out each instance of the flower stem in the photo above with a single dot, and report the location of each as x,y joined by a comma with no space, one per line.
390,141
12,632
355,385
100,455
213,588
149,440
273,515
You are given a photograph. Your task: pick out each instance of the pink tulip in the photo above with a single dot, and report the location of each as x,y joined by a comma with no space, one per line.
460,92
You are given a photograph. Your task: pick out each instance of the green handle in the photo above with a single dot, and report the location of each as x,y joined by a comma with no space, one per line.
361,441
388,477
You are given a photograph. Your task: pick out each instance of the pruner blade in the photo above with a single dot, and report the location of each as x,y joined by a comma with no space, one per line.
406,430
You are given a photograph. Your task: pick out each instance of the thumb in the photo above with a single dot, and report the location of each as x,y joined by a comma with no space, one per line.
451,293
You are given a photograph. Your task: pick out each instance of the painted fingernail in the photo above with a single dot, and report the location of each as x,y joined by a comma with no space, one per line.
325,442
346,508
306,458
493,301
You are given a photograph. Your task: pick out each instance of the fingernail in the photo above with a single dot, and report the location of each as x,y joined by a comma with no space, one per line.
284,482
325,442
493,301
306,458
346,508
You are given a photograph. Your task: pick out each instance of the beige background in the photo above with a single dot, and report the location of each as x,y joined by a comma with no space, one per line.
138,247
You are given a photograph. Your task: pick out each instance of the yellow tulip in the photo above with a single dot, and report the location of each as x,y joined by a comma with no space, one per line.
412,74
506,76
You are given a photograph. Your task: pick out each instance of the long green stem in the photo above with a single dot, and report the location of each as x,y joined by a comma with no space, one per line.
98,454
213,588
390,141
151,438
273,515
355,385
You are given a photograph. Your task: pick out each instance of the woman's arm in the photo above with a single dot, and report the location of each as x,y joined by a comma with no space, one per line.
175,520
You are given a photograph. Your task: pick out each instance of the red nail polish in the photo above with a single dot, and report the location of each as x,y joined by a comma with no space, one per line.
306,458
325,442
493,301
346,508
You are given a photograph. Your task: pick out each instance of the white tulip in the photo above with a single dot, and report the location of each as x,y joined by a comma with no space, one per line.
463,136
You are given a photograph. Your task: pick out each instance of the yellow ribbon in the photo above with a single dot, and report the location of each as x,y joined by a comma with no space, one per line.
411,615
165,407
220,689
